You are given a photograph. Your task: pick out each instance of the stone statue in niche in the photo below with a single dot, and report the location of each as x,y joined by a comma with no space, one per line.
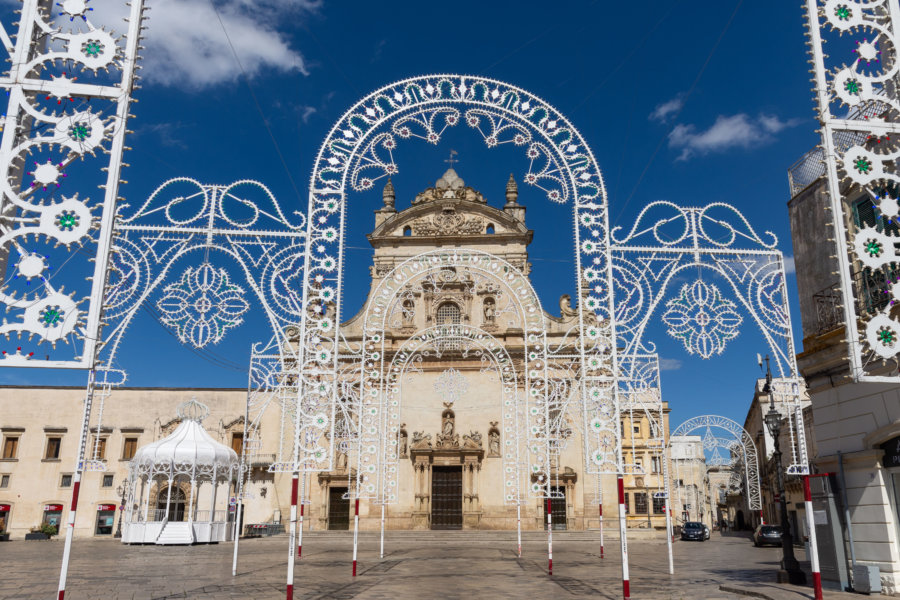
494,440
403,441
409,312
447,420
341,461
490,311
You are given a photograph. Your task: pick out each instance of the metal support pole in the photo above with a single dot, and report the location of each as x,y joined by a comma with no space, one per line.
626,585
292,535
355,533
549,538
382,531
519,527
600,506
670,534
237,534
813,551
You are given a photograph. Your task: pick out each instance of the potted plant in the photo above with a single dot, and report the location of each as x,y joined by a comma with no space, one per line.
43,532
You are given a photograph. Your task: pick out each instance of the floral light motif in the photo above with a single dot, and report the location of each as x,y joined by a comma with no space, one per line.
203,305
702,319
451,385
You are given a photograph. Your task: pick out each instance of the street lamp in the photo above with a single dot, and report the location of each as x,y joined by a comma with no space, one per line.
772,418
121,490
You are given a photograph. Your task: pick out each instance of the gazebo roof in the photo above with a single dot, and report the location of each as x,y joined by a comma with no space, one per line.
188,445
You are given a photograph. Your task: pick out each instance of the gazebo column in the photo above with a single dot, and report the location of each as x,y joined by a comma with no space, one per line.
169,479
191,501
149,486
212,499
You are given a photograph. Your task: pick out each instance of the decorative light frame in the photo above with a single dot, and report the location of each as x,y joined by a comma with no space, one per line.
666,242
860,155
34,221
740,437
358,151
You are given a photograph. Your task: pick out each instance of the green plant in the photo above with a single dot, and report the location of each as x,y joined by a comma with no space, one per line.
49,529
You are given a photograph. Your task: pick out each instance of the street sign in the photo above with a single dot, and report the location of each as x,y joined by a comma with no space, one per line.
660,495
232,501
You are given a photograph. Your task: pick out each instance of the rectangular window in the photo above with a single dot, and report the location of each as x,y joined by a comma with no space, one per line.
654,464
4,481
107,480
237,442
100,445
627,506
659,505
10,447
636,429
53,444
65,480
640,503
129,448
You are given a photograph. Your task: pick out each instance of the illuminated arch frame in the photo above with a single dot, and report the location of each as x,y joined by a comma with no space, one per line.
561,164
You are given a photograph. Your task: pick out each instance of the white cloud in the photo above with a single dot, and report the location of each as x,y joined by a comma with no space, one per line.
669,364
789,265
666,109
185,44
736,131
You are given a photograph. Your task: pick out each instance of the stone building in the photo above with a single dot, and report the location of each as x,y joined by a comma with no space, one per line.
854,423
449,467
691,500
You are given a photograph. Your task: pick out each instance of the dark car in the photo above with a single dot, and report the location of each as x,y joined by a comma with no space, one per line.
767,534
693,530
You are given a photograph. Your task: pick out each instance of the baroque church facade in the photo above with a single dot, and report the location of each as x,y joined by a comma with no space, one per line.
451,431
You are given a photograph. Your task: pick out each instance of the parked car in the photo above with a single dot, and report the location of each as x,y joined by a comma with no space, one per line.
767,534
705,532
693,530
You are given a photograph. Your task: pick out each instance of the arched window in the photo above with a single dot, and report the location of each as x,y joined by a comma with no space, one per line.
407,231
490,228
448,314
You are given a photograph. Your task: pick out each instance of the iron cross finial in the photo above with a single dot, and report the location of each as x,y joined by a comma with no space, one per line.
452,160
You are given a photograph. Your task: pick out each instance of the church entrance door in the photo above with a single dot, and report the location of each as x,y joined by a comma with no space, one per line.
446,498
558,508
338,508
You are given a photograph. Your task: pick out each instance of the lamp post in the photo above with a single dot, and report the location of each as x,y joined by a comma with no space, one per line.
121,490
789,564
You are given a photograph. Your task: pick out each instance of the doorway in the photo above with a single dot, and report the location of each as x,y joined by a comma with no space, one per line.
338,509
446,498
557,508
176,504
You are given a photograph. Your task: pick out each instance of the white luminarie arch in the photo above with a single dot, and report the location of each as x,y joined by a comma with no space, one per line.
358,151
740,436
379,411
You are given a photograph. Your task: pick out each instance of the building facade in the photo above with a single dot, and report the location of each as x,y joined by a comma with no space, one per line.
856,425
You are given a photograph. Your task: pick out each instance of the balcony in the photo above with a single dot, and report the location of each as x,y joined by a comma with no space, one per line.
871,288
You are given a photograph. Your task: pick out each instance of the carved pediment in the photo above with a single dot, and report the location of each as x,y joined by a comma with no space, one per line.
448,222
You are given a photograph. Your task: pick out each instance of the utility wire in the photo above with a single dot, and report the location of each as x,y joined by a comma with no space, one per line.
681,108
256,102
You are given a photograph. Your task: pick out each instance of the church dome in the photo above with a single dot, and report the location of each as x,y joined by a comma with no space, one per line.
187,448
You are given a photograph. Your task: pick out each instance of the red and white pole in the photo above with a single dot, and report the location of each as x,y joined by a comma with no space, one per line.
670,534
626,584
813,550
300,529
382,531
519,527
762,519
600,505
549,538
355,533
70,533
292,536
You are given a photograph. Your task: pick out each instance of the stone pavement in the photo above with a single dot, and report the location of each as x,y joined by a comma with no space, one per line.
416,565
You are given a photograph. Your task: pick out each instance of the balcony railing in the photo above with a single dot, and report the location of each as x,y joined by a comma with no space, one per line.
871,288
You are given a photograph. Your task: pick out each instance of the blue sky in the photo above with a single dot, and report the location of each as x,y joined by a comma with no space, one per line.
681,103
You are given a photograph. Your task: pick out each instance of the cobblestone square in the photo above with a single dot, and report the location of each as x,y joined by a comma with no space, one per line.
416,565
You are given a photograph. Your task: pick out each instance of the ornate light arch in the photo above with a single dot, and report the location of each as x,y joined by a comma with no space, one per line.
513,410
741,438
379,413
358,150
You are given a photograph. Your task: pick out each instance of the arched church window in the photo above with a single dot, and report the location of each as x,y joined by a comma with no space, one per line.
490,228
448,314
407,231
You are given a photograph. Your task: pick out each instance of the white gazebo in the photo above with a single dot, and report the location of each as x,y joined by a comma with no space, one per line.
166,486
